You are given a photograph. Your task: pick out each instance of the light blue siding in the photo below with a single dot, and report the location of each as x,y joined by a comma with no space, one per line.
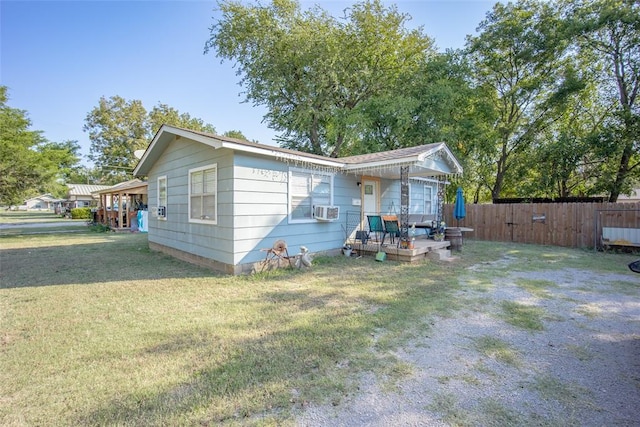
252,205
213,241
261,210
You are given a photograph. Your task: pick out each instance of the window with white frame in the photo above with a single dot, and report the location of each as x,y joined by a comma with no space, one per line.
306,190
162,197
421,198
428,199
416,198
203,194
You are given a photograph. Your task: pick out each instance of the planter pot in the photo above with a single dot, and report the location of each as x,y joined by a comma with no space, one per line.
346,252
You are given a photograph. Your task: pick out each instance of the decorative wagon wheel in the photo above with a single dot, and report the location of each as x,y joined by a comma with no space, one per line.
279,247
276,253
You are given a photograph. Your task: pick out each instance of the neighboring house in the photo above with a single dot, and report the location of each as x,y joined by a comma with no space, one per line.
633,198
221,202
82,195
119,205
42,202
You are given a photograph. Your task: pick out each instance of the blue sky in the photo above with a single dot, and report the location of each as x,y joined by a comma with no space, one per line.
59,57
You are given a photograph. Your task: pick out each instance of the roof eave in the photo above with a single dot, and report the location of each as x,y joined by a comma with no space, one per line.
166,134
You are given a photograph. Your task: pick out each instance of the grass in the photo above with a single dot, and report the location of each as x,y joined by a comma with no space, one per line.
17,217
116,334
572,396
523,316
96,329
36,222
537,287
498,349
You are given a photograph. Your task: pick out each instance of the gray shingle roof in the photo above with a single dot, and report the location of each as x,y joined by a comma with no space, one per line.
396,154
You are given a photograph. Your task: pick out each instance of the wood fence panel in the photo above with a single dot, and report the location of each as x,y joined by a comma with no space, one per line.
577,225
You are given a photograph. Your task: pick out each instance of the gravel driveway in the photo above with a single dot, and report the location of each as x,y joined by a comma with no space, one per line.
581,367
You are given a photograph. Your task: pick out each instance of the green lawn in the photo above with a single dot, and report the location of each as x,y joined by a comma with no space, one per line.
12,217
98,330
37,222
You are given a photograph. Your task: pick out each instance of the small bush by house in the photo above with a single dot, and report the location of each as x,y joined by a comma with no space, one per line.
81,213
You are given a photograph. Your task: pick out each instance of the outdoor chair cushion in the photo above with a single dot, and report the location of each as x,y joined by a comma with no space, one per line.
421,220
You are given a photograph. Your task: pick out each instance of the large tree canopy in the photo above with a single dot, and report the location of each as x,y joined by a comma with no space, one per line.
519,57
117,128
29,164
608,36
313,71
19,161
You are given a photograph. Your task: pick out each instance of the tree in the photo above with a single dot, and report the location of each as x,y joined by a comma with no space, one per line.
608,33
21,169
117,128
234,134
163,114
519,59
62,162
313,71
29,164
437,102
85,175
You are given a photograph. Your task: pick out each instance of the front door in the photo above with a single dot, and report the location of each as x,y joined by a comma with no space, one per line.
370,198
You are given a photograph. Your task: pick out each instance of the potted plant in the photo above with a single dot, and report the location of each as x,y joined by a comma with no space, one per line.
346,250
439,234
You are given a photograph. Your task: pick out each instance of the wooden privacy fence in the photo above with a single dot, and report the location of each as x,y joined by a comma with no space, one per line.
577,225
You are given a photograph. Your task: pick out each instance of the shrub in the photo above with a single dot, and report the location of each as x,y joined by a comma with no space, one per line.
81,213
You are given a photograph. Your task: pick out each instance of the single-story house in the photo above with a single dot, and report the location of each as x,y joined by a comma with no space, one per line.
83,195
221,202
42,202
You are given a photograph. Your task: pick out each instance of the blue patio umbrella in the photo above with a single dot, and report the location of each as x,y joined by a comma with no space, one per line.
459,211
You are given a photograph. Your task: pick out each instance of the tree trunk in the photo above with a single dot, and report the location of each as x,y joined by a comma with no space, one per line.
622,173
336,150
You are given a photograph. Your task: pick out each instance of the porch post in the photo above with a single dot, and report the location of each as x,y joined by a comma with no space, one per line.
441,184
404,203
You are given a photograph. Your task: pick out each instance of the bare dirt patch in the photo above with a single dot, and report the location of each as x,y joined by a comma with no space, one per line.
482,367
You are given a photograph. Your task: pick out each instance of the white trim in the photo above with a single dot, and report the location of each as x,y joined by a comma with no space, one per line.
221,142
281,155
291,156
311,173
215,195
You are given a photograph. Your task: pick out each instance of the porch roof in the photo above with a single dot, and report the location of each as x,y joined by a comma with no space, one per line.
423,161
134,186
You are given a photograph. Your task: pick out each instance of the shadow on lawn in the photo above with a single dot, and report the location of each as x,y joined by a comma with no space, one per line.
279,368
111,258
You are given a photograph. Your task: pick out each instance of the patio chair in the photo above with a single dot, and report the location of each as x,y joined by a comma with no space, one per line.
392,229
376,226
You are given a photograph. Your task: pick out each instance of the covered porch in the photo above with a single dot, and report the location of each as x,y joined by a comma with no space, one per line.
422,248
407,216
120,206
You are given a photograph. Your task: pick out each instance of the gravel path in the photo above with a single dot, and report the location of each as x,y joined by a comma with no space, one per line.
474,369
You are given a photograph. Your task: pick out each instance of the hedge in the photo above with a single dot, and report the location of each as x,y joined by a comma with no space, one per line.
81,213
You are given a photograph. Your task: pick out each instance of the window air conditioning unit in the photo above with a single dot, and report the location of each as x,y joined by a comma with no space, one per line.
326,213
162,211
